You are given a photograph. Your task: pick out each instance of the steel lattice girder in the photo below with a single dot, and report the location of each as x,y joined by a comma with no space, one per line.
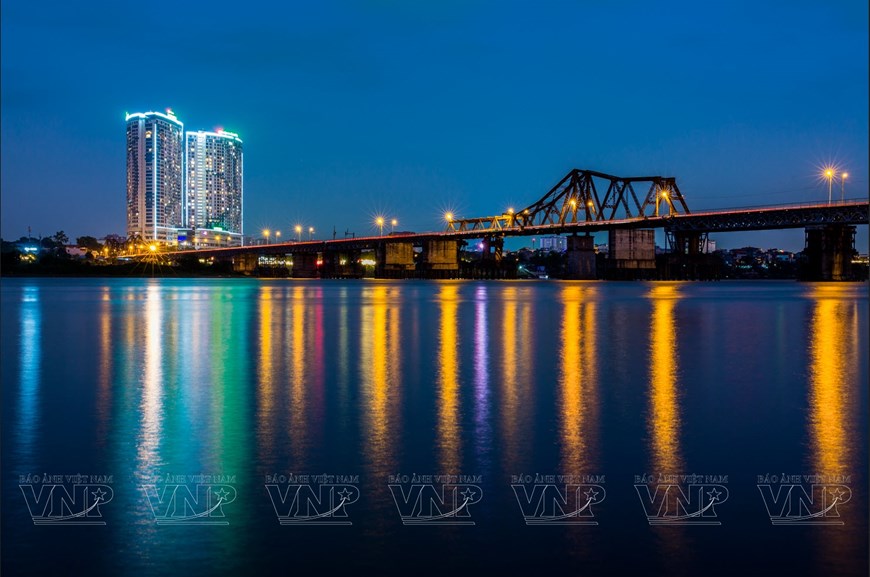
576,199
792,217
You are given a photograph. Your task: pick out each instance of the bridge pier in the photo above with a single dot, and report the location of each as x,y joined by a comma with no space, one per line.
688,259
246,263
631,254
490,265
493,248
341,264
440,259
304,265
394,260
828,252
580,258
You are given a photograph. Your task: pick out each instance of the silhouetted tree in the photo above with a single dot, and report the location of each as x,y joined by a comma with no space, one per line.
89,243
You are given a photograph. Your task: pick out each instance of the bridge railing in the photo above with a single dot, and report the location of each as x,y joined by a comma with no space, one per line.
799,205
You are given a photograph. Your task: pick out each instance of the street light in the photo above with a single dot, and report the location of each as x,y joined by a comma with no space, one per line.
829,174
310,232
448,216
843,185
266,234
380,222
393,224
299,233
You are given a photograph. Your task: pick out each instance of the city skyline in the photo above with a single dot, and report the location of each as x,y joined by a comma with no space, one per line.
354,110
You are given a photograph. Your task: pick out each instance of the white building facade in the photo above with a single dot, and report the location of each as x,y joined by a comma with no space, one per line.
213,194
155,175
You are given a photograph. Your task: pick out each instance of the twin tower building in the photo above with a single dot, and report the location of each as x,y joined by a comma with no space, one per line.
183,188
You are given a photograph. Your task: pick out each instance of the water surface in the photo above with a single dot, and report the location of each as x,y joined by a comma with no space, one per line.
245,383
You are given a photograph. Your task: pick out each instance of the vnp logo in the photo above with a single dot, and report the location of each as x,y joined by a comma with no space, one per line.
435,499
191,503
681,499
804,499
312,499
557,499
66,499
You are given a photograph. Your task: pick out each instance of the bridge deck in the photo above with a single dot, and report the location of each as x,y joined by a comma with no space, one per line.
719,220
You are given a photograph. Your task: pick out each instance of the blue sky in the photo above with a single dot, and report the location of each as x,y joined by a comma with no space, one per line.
350,109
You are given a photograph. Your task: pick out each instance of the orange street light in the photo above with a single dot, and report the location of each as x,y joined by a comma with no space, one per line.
829,174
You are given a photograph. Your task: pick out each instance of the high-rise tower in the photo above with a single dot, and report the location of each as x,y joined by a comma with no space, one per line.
213,189
155,175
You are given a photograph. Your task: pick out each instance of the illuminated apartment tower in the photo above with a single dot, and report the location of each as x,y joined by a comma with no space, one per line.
155,156
213,192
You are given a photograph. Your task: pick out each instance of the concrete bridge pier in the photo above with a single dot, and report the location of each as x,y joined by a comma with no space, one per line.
580,258
440,259
829,249
394,260
341,264
246,263
687,260
631,254
490,265
304,265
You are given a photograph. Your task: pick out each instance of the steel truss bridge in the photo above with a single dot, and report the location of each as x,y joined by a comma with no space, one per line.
586,201
581,203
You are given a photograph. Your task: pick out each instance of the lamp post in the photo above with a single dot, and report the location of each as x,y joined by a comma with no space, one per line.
380,222
830,176
299,233
843,185
266,234
310,232
393,224
278,236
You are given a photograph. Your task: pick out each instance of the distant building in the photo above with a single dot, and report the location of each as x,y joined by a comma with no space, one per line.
213,205
553,243
76,251
155,175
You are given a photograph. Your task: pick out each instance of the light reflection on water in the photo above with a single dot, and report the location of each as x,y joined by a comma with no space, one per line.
579,402
664,411
833,424
248,378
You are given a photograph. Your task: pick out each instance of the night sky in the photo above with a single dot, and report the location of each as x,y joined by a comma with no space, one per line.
350,109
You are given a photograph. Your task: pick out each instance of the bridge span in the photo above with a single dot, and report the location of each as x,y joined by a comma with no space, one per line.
582,203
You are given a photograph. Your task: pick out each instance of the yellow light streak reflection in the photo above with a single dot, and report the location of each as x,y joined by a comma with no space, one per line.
381,375
298,430
834,387
266,396
578,378
449,437
510,395
664,419
833,362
